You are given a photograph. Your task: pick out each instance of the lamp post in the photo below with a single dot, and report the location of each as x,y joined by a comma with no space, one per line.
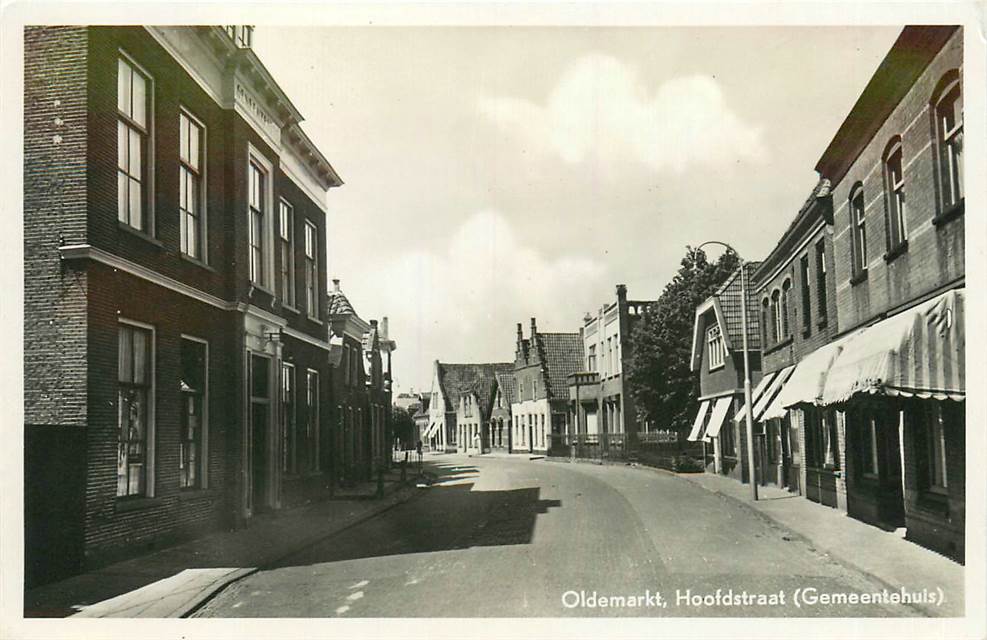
747,366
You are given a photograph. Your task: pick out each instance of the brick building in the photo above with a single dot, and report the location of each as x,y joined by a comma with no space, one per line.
175,337
500,414
542,366
891,385
604,406
718,356
794,289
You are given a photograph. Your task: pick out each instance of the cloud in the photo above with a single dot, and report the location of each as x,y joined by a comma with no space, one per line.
462,303
601,111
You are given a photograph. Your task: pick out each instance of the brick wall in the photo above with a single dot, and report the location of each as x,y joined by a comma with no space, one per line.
111,524
55,128
935,254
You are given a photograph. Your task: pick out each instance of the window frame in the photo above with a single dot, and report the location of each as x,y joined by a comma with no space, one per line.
146,131
786,325
312,270
266,200
201,188
150,471
776,326
715,347
805,277
204,427
943,141
895,222
822,295
288,422
858,230
286,246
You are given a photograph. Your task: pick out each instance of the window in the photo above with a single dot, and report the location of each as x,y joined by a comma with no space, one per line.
257,186
777,333
715,347
289,444
258,459
311,270
868,455
134,412
785,289
820,438
894,190
191,201
764,322
948,110
806,294
821,280
346,367
728,438
242,35
859,230
591,358
191,452
355,364
312,424
133,126
286,243
931,422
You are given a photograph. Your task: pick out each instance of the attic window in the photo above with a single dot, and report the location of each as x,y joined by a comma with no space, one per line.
715,346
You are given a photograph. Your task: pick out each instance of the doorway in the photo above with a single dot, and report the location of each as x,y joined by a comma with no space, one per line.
259,453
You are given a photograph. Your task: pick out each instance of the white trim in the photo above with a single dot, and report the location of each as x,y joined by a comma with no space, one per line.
150,435
290,168
193,71
204,470
298,335
85,251
318,414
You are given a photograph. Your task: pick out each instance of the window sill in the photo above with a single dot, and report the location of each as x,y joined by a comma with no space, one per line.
123,226
716,368
259,287
779,345
807,331
858,277
893,253
287,307
315,320
136,503
822,323
196,262
950,213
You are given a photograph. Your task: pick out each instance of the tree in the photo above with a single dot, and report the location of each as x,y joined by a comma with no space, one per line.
659,377
403,424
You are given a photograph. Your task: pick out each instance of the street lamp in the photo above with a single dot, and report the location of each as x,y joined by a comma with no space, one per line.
747,365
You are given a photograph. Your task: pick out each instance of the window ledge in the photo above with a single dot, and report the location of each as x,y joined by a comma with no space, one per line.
259,287
858,277
123,226
196,262
288,307
822,323
950,213
779,345
807,331
716,368
136,503
315,320
902,247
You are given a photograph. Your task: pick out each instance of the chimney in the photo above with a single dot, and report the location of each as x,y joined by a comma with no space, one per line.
520,333
622,292
534,328
383,327
373,323
335,285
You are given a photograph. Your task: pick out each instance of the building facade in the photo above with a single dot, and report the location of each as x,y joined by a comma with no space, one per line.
175,225
603,405
718,357
543,362
500,415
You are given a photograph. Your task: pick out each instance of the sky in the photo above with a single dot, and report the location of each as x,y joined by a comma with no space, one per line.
495,174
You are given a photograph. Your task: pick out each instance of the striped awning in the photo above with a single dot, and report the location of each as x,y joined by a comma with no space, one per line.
716,418
917,353
699,422
805,386
756,394
772,392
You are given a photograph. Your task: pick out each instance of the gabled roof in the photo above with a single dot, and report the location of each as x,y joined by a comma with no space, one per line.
458,380
562,355
506,382
725,304
339,304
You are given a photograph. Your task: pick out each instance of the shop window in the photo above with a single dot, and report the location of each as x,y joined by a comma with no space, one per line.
191,459
312,421
289,453
820,438
933,422
134,413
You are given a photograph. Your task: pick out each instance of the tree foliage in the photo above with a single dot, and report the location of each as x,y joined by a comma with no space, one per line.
658,374
403,423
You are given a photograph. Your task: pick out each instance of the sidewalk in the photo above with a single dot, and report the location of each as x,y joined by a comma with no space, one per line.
175,581
883,555
524,455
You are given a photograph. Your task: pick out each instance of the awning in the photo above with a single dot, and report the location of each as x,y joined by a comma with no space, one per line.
917,353
719,413
765,382
772,392
697,424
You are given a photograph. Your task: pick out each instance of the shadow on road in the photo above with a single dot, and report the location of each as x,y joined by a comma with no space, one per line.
449,517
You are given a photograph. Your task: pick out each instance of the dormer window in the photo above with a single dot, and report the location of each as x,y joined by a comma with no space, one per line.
715,347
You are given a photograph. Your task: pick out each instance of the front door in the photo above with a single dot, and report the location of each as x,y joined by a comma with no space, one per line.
259,454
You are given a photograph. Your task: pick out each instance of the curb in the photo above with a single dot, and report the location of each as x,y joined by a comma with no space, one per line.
203,597
838,559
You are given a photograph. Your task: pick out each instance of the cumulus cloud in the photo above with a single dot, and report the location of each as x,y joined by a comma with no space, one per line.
601,110
462,303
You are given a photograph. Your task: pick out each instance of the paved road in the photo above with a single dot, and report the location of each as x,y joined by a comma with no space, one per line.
504,537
